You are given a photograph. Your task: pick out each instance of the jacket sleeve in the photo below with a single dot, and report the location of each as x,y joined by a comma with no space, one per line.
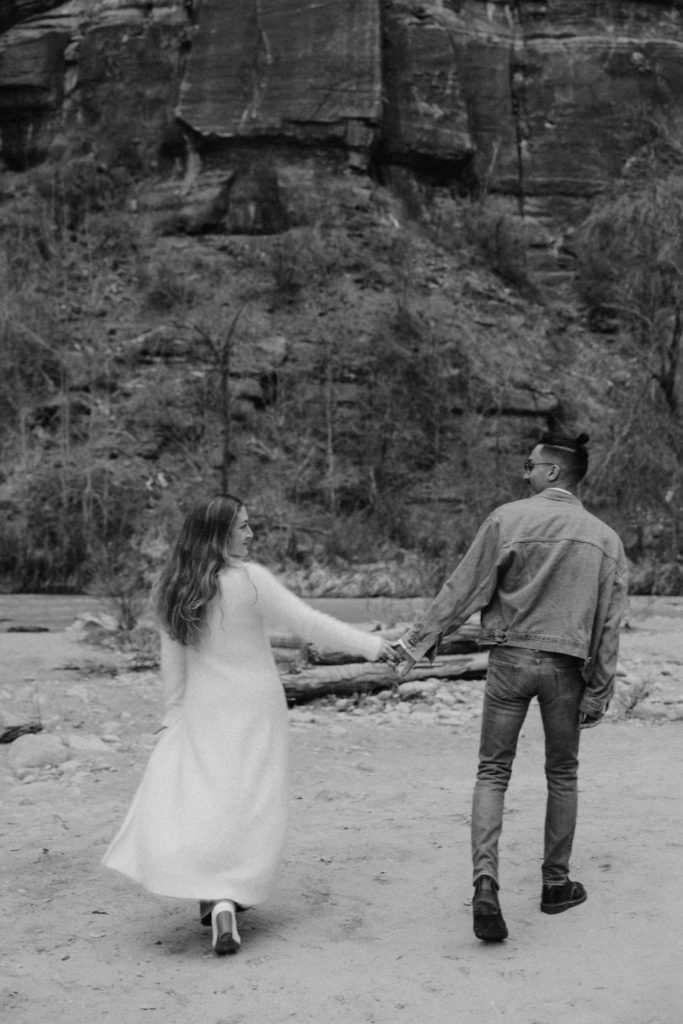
467,590
173,676
280,607
601,669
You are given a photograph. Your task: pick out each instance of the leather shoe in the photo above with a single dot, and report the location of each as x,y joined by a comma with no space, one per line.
489,924
557,898
224,934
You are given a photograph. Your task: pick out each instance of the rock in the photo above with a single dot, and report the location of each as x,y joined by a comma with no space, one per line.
85,743
510,96
299,716
10,720
41,792
426,108
291,70
58,63
79,691
448,717
36,751
418,688
629,690
91,625
426,717
337,730
656,710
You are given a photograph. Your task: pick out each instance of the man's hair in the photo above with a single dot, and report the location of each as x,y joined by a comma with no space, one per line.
569,452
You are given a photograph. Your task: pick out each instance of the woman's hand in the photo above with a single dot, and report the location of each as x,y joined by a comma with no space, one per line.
388,653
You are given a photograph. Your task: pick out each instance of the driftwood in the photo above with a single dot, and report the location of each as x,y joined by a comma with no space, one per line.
286,641
369,677
13,732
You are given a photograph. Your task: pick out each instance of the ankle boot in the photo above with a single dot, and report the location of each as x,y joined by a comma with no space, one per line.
489,924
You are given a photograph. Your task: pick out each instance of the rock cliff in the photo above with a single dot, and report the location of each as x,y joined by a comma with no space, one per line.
544,104
349,173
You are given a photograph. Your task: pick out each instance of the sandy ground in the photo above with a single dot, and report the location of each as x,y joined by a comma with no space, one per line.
371,921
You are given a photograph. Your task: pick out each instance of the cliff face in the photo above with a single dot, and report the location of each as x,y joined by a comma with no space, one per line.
309,72
546,104
349,135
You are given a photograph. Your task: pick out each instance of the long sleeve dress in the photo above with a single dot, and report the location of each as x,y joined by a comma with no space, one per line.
209,818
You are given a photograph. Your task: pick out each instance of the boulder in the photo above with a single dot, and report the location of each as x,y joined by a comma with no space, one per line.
84,743
36,751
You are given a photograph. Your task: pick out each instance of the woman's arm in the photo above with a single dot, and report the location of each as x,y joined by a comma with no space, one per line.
280,607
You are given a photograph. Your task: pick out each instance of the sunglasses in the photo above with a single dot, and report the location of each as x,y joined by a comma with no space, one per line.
530,464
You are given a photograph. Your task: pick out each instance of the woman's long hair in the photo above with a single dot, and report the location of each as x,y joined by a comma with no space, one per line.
189,580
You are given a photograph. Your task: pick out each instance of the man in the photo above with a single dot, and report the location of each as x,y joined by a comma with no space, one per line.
551,582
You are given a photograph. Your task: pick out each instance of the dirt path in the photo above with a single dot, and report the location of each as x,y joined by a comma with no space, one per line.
371,920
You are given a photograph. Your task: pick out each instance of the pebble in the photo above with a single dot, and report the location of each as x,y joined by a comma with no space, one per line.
337,730
422,716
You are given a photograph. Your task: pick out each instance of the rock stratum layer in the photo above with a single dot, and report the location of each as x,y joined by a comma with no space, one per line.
548,104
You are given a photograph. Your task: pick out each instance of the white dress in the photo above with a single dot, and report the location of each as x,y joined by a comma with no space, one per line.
209,818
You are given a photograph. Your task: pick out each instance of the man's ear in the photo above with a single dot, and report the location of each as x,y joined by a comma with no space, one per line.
554,472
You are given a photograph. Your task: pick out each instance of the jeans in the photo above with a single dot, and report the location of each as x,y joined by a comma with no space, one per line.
515,675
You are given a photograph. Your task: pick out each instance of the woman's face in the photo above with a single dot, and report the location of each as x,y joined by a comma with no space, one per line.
240,535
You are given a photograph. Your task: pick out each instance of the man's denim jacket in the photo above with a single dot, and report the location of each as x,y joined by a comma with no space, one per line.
547,575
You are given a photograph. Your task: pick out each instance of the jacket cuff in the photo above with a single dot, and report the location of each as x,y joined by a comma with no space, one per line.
419,645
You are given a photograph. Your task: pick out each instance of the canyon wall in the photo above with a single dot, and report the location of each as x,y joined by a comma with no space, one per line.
545,104
253,117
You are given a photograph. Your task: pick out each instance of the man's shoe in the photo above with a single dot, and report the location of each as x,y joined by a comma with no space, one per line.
488,919
557,898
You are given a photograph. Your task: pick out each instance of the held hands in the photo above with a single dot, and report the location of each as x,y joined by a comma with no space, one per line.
389,654
396,656
406,663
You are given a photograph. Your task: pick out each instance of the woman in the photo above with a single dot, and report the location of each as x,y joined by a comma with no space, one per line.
208,820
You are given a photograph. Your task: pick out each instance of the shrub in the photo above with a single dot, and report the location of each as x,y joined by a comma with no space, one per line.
67,522
498,236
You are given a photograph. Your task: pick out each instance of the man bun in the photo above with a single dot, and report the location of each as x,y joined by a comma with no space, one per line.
570,451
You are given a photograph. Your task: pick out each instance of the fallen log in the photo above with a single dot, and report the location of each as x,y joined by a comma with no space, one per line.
464,640
13,732
289,659
286,641
369,677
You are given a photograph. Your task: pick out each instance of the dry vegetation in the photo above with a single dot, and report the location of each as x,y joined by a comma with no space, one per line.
353,378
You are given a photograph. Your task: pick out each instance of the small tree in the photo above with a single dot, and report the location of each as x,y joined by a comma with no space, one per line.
631,269
220,351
